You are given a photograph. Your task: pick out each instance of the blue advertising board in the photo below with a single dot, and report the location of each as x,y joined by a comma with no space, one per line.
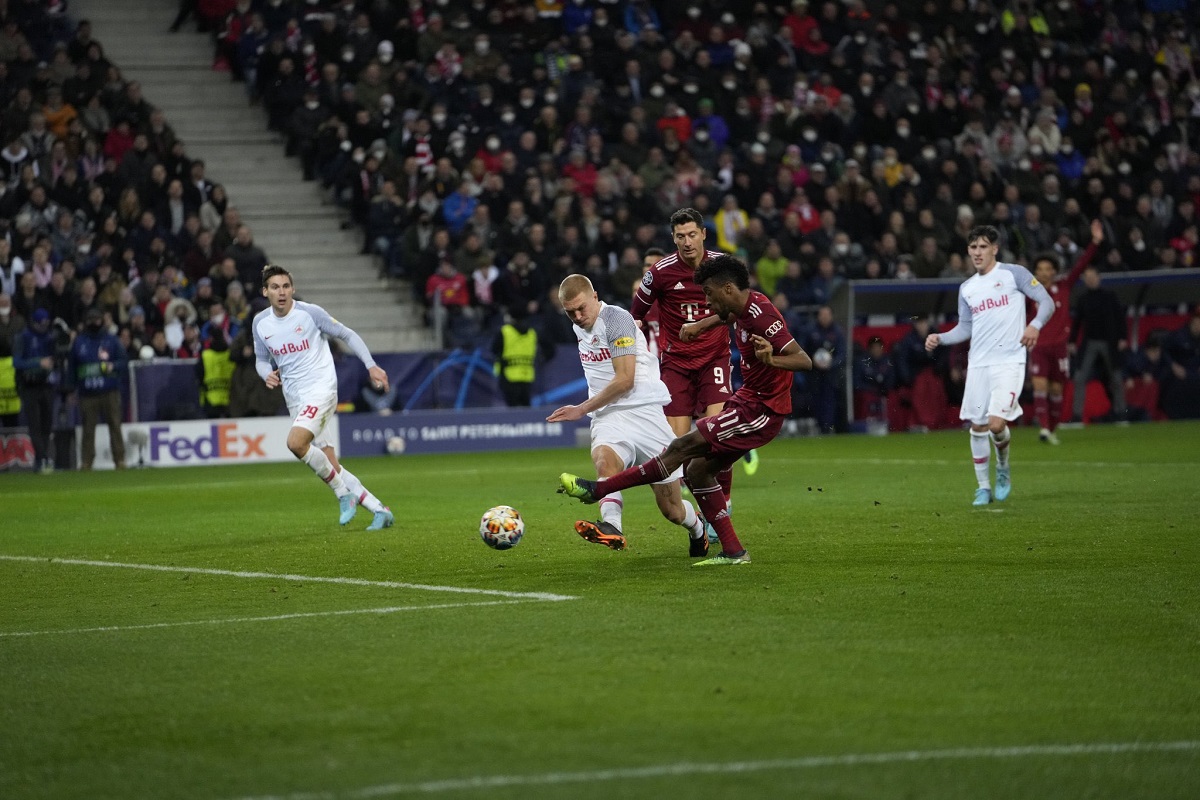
449,431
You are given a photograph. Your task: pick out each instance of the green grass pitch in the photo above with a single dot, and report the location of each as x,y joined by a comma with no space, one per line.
889,640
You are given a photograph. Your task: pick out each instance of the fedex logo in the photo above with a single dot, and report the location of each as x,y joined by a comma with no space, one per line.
593,358
221,441
989,303
289,348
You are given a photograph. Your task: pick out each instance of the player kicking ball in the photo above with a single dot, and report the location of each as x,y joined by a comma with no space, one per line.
289,351
991,313
751,418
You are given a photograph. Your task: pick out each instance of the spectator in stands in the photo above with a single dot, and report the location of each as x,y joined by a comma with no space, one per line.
874,378
248,258
1145,372
1098,332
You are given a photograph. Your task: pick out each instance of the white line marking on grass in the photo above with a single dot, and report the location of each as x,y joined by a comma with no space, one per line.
274,618
735,767
229,573
945,462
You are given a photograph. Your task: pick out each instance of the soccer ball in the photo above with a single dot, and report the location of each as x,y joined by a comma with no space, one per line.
822,359
501,527
395,445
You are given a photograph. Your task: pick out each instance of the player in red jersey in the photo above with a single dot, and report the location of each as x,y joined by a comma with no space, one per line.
752,417
1050,361
649,322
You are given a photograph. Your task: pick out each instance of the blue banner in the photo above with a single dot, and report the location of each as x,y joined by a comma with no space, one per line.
468,431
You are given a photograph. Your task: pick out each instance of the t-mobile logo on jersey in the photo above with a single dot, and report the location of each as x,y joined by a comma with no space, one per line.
989,303
290,348
691,311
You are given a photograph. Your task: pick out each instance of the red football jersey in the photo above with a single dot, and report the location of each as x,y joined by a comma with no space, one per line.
680,300
1057,329
771,385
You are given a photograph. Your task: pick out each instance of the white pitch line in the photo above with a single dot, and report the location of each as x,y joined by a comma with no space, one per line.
484,782
229,573
945,462
274,618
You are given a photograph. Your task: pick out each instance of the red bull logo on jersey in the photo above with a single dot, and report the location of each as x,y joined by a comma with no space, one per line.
596,357
988,303
290,347
220,441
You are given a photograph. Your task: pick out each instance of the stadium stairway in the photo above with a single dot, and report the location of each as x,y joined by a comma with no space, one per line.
293,220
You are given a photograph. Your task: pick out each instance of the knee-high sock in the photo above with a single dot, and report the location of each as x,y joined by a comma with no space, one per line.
712,505
1041,409
1056,409
319,463
691,521
365,498
725,478
610,509
981,454
1001,441
652,471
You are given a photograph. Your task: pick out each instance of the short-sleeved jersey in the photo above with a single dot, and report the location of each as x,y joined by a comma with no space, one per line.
615,334
770,385
680,300
1057,329
991,313
293,343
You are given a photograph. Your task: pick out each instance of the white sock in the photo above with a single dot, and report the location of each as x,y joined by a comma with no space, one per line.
365,498
1001,442
611,507
691,521
981,454
318,462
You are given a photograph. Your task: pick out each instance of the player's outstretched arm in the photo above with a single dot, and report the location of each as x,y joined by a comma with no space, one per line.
959,333
692,330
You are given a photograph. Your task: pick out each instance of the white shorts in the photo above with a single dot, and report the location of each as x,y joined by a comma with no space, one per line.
635,434
314,417
992,391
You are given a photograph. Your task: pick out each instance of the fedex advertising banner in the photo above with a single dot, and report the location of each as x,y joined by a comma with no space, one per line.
468,431
256,440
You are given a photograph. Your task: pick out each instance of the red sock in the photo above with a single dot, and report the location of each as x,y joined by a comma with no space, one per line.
1056,408
652,471
725,478
1041,409
712,506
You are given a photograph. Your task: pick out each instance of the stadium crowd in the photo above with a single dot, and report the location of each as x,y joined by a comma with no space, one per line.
487,149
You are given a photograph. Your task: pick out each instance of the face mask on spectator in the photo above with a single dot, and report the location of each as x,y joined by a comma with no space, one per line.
860,151
1035,150
764,137
694,12
914,36
903,131
1067,149
657,91
308,49
729,85
551,98
860,39
312,105
929,154
809,135
981,28
385,57
600,20
1139,245
493,144
1124,168
1024,165
866,89
508,118
690,88
701,136
841,248
347,55
482,47
359,156
1045,52
526,102
438,118
1008,55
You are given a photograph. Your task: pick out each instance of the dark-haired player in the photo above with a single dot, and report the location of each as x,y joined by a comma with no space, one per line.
750,418
289,351
1049,361
991,313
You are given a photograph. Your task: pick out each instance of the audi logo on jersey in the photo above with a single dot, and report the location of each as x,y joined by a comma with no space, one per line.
290,348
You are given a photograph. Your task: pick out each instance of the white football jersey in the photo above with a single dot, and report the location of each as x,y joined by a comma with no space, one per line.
991,313
615,334
294,345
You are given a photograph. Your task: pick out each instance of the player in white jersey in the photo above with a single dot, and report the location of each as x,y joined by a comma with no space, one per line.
625,401
991,313
289,350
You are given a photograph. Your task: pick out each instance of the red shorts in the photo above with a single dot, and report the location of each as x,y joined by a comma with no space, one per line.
1051,362
744,424
694,389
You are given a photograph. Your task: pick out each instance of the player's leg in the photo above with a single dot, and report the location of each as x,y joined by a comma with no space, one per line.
656,469
1055,403
1006,381
974,410
608,529
308,423
702,477
675,509
1041,398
